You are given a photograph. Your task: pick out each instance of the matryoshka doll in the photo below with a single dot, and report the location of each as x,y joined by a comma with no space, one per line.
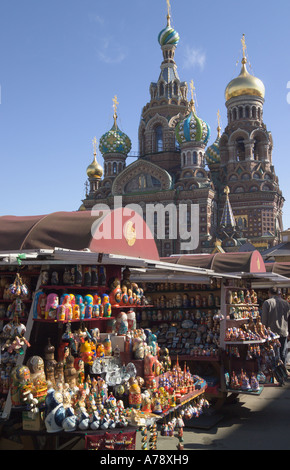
80,302
107,308
88,301
20,384
41,306
122,324
107,347
125,297
198,300
76,312
135,398
52,303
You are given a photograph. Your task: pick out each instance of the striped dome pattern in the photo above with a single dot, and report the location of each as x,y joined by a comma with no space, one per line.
212,154
192,129
168,36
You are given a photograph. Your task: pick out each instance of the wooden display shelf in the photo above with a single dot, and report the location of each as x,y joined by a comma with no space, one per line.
10,301
253,341
101,289
43,320
188,357
242,305
185,308
245,392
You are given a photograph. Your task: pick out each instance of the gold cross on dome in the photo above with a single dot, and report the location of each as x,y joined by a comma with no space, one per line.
95,145
192,95
243,41
219,122
115,104
168,12
227,190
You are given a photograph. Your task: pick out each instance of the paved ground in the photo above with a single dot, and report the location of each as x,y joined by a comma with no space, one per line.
252,423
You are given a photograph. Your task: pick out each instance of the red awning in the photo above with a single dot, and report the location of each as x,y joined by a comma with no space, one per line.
249,262
118,232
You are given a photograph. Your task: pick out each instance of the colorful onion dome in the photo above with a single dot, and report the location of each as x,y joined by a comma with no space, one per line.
192,129
168,35
115,141
245,83
212,154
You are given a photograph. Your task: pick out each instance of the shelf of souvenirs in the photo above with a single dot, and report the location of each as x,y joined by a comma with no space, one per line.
25,272
193,357
100,289
154,288
183,308
78,320
243,383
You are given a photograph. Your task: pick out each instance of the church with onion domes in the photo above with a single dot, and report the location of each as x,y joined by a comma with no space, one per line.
232,180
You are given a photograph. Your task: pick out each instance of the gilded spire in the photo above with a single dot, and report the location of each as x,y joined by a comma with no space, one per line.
168,12
95,170
192,101
243,41
219,123
115,104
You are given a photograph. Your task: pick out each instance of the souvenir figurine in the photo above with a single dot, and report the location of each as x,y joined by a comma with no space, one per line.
54,278
52,303
94,276
41,306
107,346
135,399
87,276
106,306
124,296
76,312
20,384
122,324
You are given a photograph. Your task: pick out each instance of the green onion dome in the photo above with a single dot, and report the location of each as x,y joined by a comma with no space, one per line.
167,36
115,141
212,154
192,129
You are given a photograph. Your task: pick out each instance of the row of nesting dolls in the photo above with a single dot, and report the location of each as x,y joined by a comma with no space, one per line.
179,301
71,307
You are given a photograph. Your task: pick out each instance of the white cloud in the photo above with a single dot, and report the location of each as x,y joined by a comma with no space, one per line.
193,58
110,52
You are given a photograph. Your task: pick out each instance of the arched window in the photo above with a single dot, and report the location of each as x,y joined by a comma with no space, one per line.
114,168
194,158
240,150
159,139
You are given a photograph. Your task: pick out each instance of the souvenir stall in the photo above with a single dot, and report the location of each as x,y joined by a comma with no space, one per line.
74,366
209,326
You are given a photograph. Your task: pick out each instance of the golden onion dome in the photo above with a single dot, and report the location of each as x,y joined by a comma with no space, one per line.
245,83
95,170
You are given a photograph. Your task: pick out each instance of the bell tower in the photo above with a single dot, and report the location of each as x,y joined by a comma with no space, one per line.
246,161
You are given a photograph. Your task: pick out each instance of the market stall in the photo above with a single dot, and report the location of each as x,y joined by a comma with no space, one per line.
74,365
215,328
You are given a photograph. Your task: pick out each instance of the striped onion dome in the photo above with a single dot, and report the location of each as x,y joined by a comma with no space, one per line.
192,129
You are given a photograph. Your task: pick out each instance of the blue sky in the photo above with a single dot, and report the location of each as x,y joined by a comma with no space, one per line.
62,62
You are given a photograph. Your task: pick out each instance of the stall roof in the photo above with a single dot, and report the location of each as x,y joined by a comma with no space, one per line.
248,262
117,232
279,268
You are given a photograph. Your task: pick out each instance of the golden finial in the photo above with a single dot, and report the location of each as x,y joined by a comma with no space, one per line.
219,123
94,141
243,41
227,191
168,12
192,102
115,104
